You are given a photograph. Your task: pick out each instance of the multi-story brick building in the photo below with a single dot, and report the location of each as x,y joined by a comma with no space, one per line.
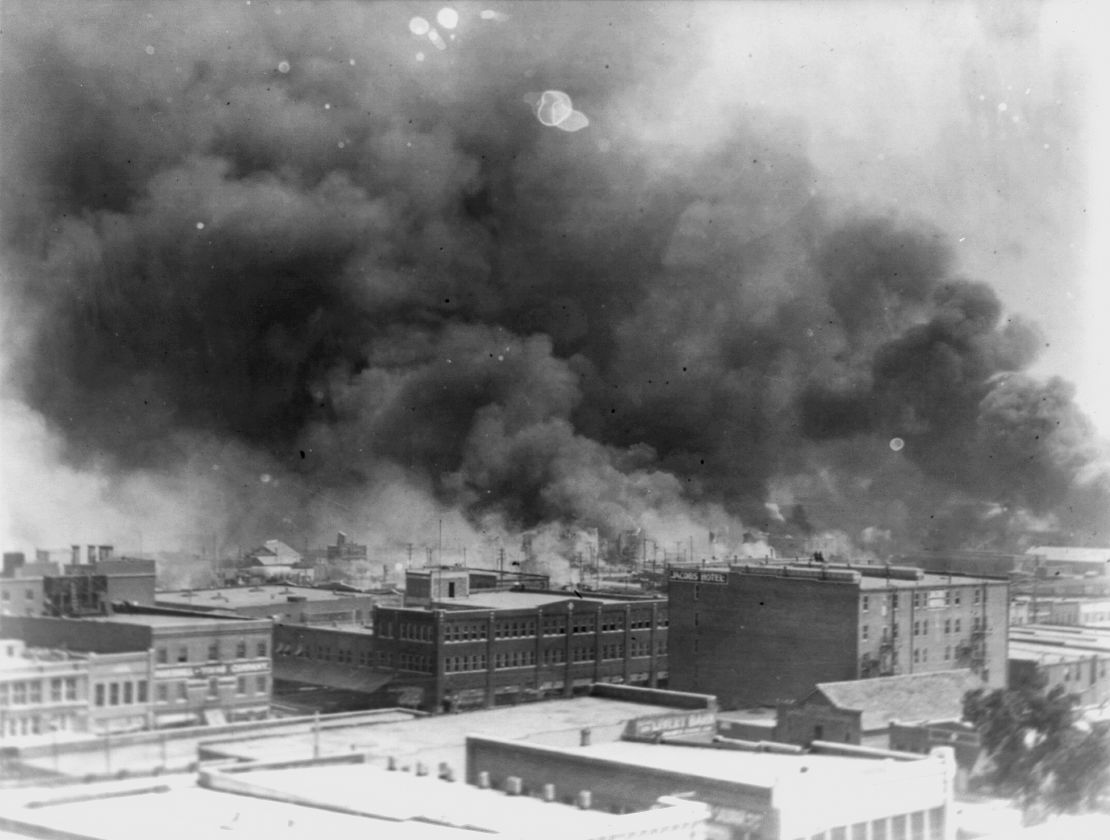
463,648
761,635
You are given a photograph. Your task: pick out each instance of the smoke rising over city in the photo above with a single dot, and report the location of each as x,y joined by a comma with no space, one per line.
274,269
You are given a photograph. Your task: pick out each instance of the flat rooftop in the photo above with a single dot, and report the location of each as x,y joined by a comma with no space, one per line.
875,577
231,597
1088,640
175,807
756,769
403,796
526,599
443,737
156,620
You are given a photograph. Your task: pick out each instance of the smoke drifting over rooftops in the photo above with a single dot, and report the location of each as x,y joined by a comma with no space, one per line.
268,272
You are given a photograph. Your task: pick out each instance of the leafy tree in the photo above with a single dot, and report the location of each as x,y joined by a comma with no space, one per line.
1040,751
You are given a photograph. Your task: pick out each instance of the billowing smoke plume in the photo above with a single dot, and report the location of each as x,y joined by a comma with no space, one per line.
276,257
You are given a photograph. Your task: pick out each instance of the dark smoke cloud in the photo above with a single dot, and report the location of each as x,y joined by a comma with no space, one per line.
274,253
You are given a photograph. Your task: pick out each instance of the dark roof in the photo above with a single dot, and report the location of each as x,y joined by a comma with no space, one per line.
909,698
331,675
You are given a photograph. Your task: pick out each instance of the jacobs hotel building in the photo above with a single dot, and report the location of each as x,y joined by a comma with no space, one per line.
766,634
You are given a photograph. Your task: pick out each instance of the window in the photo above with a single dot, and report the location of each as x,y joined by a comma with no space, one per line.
261,683
894,601
213,688
183,654
163,693
241,650
956,597
866,603
947,625
160,655
29,594
56,690
71,688
241,685
182,691
866,630
213,651
916,628
128,693
142,692
113,694
100,694
956,625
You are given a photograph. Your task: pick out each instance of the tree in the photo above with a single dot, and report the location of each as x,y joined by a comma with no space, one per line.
1041,752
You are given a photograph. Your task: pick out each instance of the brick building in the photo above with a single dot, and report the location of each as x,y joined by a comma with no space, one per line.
464,648
764,635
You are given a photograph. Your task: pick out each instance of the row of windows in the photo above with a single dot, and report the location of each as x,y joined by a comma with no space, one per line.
919,825
453,664
921,628
921,598
31,692
414,662
180,690
162,653
120,693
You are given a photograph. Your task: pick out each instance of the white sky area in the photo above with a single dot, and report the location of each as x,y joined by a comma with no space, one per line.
944,112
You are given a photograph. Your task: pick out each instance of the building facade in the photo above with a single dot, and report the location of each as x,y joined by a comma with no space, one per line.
765,635
190,669
42,690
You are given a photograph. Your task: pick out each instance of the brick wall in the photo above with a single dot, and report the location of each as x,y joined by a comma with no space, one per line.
761,639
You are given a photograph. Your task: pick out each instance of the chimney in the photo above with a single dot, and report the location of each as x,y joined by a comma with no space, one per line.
105,552
549,792
585,800
483,779
513,785
75,555
13,561
90,556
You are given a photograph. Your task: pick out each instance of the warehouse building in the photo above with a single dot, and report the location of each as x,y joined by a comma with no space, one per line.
1072,658
767,634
